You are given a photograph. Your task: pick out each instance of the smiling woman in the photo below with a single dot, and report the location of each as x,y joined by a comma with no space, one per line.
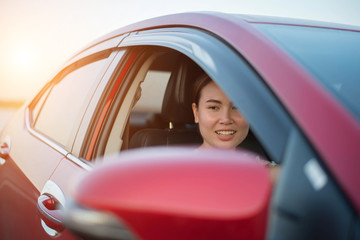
221,125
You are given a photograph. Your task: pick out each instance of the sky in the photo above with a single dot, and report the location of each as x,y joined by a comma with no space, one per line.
38,36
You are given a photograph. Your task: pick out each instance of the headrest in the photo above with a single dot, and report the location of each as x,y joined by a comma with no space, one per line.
177,101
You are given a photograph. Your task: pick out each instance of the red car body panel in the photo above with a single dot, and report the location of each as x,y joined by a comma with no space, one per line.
22,180
18,195
314,109
66,172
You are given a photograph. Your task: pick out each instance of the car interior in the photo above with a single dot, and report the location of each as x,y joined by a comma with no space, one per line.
160,98
174,124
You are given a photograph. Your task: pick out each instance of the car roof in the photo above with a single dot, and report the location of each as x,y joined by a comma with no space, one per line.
204,20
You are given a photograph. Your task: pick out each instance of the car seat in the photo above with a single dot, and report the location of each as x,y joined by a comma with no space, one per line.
176,112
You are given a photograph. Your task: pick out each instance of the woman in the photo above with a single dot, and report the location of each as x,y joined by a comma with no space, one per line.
221,125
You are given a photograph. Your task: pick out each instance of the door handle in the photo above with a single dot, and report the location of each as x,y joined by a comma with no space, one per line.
50,212
50,206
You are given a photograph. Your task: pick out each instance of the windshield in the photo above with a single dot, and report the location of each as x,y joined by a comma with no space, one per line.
332,56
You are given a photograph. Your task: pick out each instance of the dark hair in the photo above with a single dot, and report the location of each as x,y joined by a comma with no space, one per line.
199,84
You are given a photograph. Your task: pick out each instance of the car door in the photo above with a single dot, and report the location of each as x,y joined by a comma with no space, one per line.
100,64
69,98
42,136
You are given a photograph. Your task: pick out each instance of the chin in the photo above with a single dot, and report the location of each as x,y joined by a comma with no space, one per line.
227,146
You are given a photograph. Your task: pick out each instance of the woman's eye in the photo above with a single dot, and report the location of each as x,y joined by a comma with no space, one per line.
213,107
234,108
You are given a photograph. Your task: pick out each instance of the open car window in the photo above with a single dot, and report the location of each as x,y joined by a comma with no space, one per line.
149,88
156,108
144,100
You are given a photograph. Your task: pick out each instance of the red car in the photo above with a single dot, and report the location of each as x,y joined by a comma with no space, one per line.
296,82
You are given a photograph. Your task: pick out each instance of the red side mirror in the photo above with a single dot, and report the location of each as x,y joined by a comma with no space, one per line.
172,193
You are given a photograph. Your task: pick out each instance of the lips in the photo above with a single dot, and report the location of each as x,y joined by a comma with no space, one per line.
225,132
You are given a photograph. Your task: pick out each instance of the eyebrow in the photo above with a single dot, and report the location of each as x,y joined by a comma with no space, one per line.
217,101
213,101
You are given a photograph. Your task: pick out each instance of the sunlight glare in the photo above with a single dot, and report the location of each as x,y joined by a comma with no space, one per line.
23,58
22,72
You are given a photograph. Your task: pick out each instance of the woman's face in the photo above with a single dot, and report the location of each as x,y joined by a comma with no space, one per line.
220,124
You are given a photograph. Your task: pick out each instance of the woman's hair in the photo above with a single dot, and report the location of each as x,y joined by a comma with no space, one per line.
199,84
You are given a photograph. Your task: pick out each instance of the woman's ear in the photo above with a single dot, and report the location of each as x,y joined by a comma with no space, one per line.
195,112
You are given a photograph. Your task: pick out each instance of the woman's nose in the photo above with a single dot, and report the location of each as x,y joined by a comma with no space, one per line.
226,117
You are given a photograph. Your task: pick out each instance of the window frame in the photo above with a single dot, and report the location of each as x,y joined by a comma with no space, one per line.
85,145
221,61
29,117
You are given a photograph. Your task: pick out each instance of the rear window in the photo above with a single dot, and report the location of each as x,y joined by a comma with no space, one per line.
60,107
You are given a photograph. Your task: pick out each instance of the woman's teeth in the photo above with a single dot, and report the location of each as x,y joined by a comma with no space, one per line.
225,133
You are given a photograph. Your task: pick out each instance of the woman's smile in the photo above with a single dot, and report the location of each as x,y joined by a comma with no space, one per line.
225,132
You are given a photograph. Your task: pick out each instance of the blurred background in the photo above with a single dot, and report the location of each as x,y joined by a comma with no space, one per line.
38,36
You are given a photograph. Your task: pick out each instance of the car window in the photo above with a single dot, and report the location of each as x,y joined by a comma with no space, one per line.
234,74
141,105
145,98
152,91
155,109
60,108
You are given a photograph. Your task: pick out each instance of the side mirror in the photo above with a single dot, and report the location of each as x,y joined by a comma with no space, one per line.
173,193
